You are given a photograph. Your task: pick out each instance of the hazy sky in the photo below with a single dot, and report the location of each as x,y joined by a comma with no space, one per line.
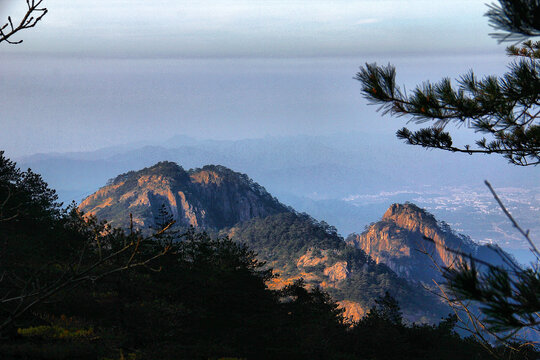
220,28
100,72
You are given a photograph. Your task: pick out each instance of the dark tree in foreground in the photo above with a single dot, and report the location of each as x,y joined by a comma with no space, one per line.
382,334
46,250
517,19
34,13
73,288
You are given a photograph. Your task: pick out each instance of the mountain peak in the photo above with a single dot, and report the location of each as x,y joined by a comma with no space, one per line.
207,177
216,175
163,169
409,216
211,197
399,240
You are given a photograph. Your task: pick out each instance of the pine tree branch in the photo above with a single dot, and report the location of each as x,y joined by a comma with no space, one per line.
518,19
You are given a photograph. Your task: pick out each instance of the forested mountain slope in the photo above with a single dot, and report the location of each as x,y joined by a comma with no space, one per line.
219,200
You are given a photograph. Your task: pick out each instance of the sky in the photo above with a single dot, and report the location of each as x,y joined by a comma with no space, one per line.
102,72
260,28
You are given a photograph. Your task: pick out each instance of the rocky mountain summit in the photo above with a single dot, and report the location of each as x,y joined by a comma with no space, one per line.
213,197
295,245
391,255
400,240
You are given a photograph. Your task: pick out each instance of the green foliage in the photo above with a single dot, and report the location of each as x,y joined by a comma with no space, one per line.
54,332
504,109
163,168
283,238
25,200
47,251
205,297
209,300
381,334
509,299
287,236
387,309
518,19
48,350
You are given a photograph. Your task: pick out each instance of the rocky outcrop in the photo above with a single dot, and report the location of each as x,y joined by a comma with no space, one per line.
319,268
352,311
322,268
310,259
211,197
411,241
337,272
295,245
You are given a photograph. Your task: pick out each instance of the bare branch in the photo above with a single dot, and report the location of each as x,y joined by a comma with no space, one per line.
31,293
34,13
525,234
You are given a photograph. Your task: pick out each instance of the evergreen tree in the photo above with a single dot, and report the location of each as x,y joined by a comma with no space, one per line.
504,109
387,309
46,250
517,19
382,334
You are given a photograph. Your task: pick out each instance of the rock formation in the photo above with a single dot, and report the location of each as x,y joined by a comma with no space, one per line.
212,197
411,241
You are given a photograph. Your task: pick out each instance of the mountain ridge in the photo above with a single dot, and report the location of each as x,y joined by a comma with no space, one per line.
211,197
297,247
413,243
217,199
350,167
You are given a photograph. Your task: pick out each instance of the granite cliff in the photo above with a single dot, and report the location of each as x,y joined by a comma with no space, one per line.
212,197
399,241
297,246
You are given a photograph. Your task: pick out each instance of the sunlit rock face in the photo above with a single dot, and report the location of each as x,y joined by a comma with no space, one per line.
401,241
319,268
211,197
352,311
322,268
294,245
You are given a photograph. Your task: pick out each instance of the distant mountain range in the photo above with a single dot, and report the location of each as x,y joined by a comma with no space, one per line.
354,271
342,179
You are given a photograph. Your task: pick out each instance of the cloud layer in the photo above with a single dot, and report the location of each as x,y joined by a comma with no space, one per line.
231,28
